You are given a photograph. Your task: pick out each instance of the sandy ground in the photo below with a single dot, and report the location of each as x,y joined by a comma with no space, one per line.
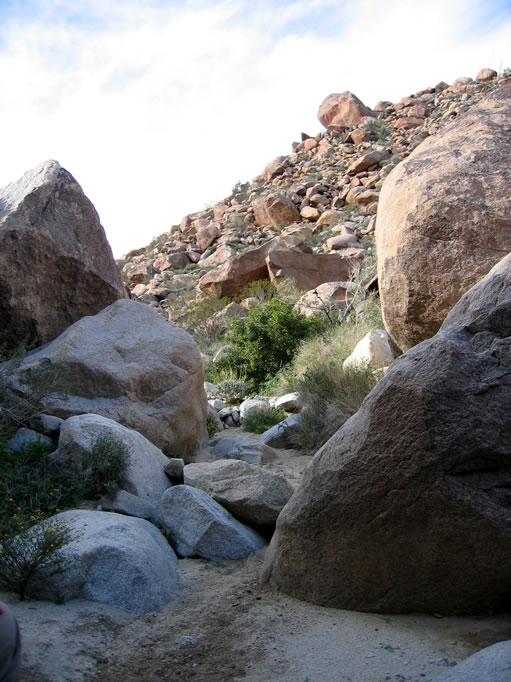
223,626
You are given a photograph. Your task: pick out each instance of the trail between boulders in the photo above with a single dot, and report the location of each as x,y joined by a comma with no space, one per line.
224,626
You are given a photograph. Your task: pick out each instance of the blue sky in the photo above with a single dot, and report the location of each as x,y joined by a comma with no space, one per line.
158,107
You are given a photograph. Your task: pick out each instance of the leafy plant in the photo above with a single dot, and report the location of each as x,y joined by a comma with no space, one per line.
262,418
267,339
211,425
330,395
232,390
34,548
107,461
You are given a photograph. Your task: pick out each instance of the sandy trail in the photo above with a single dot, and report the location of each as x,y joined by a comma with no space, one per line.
223,626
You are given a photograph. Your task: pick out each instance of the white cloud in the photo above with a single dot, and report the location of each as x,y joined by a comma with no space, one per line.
160,108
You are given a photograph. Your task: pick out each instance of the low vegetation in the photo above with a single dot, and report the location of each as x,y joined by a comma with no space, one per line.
262,418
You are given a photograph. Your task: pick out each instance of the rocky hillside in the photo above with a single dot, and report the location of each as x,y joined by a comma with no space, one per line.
320,199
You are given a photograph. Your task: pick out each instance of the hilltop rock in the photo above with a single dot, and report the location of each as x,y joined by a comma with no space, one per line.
344,109
55,262
406,507
444,219
128,364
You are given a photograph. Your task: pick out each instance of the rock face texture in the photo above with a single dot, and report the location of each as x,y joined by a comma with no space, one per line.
444,219
406,508
492,663
199,526
342,109
251,493
118,560
128,364
55,262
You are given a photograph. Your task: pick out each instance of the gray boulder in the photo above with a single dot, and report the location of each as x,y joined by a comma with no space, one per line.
24,437
492,664
406,508
199,526
145,475
128,364
251,493
55,262
281,435
241,447
117,560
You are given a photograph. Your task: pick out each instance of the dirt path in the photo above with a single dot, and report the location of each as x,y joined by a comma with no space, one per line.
224,626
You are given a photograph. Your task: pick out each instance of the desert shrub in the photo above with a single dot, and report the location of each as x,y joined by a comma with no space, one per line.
198,319
379,131
232,390
211,425
262,418
107,461
262,289
35,547
330,395
267,339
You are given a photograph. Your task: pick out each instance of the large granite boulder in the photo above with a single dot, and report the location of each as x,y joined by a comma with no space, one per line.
144,476
55,262
128,364
342,109
199,526
243,448
406,508
444,219
117,560
251,493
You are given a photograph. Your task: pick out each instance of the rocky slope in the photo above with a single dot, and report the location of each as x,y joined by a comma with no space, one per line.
325,194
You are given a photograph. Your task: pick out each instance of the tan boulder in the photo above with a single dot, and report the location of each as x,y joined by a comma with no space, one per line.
275,168
329,218
359,196
367,160
444,219
169,261
55,262
308,270
219,256
206,234
342,241
276,210
408,122
486,75
310,213
342,109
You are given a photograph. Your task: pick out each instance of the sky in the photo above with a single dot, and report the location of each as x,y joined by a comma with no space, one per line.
158,107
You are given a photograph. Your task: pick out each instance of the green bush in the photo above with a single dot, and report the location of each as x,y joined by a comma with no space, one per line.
232,390
330,395
267,339
35,548
211,425
262,418
107,461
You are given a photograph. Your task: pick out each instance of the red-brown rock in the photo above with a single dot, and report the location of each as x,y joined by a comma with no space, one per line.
342,109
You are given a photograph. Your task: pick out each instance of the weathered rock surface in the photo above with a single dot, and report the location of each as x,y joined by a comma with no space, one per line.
241,447
328,297
276,210
308,270
199,526
55,262
118,560
342,109
492,663
444,219
406,507
128,364
251,493
145,474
